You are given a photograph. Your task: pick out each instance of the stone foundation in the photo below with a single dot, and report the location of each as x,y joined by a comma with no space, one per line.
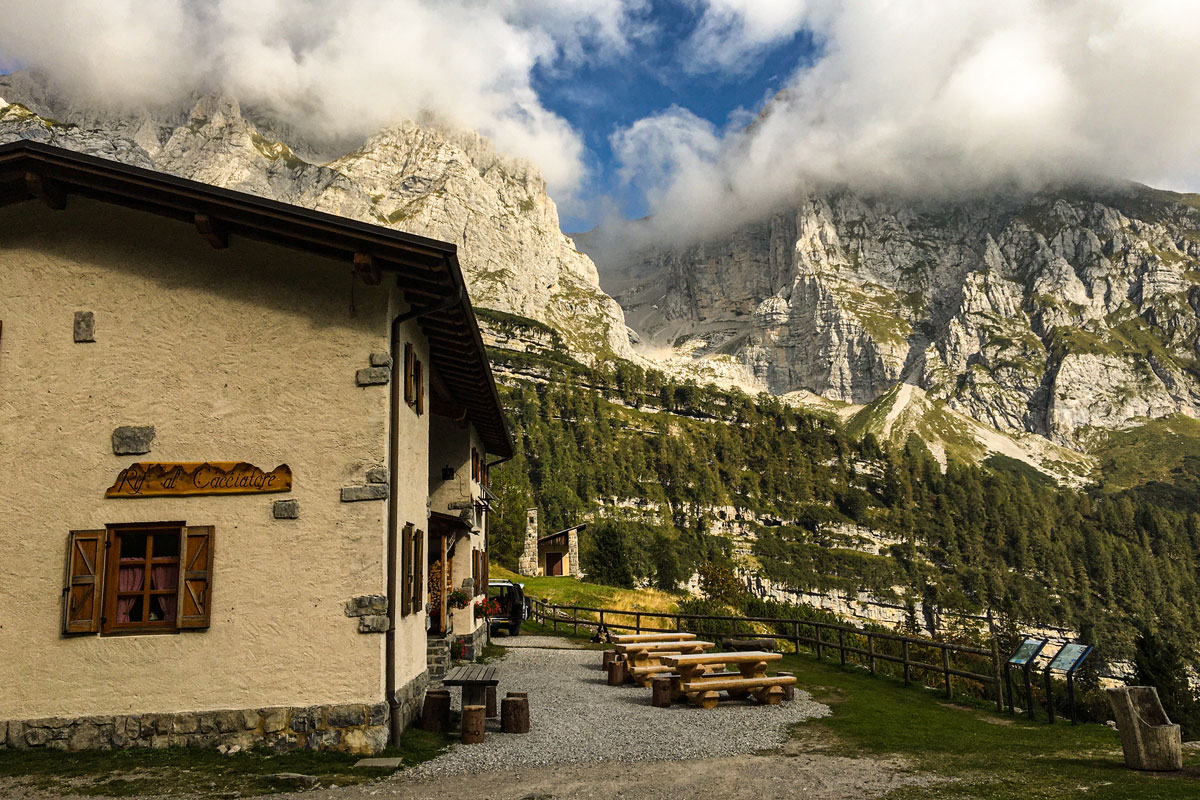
355,728
472,644
411,696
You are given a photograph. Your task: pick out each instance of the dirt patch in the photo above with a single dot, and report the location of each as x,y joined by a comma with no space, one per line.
813,776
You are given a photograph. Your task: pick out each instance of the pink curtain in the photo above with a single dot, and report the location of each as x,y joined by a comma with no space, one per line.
129,579
166,576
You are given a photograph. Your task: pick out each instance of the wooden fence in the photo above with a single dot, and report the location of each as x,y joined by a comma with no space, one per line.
908,652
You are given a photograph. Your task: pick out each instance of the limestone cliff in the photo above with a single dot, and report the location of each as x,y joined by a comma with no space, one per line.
1052,314
421,178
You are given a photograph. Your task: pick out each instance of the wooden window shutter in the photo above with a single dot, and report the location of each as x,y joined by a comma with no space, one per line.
410,361
406,561
418,598
195,590
85,582
419,380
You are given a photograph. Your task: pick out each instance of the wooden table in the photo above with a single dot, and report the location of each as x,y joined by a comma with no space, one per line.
474,680
666,636
702,689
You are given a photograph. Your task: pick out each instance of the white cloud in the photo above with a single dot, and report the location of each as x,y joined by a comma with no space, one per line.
335,67
936,98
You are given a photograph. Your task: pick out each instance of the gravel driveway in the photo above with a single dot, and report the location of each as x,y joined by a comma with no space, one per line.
577,718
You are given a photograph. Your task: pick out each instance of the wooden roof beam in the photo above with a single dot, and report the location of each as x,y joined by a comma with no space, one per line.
212,231
47,190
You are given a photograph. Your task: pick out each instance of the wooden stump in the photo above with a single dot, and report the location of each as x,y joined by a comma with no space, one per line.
609,655
789,691
435,713
661,695
705,699
490,702
514,713
771,695
616,673
472,724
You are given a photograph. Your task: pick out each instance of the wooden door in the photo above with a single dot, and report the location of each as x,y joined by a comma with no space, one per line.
554,563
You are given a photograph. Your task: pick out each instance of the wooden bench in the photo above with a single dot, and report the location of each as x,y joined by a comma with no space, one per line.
767,689
666,636
646,673
702,689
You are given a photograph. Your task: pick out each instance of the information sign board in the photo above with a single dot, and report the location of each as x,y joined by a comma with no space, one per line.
1069,657
1026,652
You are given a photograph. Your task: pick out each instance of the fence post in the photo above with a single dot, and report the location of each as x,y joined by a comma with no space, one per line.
871,652
842,646
638,622
817,628
996,673
678,623
601,619
946,669
904,653
575,618
556,618
797,632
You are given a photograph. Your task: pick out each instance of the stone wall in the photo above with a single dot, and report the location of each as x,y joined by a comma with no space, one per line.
472,643
528,563
410,697
353,727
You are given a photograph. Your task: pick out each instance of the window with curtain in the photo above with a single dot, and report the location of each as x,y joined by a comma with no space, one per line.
143,578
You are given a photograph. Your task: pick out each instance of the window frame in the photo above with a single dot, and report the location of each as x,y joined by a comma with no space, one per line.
108,600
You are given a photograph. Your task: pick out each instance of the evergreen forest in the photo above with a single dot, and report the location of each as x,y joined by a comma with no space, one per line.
652,462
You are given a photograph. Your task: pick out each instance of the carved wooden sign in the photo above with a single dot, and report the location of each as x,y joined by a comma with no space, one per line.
167,479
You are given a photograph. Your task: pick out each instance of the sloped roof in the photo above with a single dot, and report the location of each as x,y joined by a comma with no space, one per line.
427,270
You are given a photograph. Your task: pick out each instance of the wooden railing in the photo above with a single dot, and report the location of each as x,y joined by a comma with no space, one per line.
870,647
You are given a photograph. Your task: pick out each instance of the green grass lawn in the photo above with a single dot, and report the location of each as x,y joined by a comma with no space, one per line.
196,772
984,754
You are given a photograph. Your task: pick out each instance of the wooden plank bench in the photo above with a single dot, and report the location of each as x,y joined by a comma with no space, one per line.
666,636
646,673
768,689
702,689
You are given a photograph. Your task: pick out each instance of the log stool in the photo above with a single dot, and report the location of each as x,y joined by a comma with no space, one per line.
661,694
609,656
472,724
435,713
490,701
789,691
514,713
616,673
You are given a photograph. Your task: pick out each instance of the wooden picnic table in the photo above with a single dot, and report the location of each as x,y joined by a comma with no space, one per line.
474,680
666,636
701,688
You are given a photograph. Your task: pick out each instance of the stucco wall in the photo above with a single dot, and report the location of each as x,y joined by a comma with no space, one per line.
246,354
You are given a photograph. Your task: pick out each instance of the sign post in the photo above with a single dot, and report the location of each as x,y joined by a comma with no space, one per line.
1067,660
1023,657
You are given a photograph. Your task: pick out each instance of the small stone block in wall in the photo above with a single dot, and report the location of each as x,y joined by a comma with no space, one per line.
373,624
286,509
377,475
132,440
85,326
372,376
367,605
373,491
381,360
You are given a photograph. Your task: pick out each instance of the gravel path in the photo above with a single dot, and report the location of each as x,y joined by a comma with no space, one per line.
577,718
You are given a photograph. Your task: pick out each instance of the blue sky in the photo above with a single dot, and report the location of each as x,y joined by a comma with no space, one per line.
601,97
639,107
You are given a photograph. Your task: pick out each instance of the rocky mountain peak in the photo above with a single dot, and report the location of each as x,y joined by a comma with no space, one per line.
423,178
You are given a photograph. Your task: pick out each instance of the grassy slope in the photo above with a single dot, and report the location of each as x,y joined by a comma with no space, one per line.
570,591
984,755
1147,453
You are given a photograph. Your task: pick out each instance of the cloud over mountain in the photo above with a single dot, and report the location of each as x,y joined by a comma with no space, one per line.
337,68
930,97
